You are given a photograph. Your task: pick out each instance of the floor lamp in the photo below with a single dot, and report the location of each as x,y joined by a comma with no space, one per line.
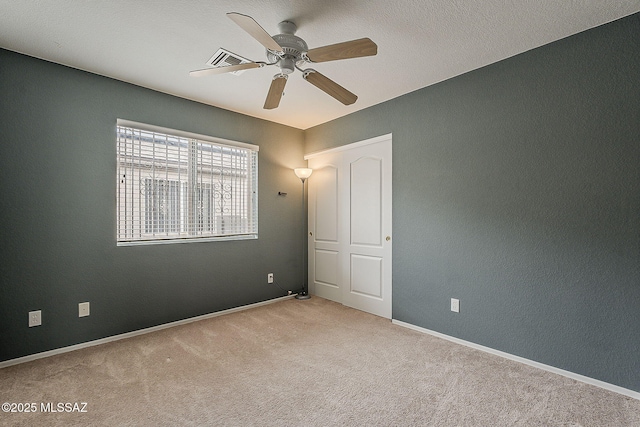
303,174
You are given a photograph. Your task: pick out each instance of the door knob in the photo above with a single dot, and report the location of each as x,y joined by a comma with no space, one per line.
388,238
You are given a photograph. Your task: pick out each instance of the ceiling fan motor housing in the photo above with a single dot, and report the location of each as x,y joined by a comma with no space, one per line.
292,46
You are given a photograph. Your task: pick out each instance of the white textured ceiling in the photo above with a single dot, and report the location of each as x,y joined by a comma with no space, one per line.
155,43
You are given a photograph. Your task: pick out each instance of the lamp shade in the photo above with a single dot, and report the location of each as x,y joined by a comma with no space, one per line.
303,173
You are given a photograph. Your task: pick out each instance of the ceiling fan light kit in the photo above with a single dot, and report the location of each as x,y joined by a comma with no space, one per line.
289,52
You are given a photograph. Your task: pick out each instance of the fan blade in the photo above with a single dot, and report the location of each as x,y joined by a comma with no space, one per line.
330,87
227,69
275,92
254,29
344,50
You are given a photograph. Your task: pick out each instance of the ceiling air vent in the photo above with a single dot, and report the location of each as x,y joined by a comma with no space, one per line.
224,58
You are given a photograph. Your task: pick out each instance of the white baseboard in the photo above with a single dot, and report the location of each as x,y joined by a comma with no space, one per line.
568,374
44,354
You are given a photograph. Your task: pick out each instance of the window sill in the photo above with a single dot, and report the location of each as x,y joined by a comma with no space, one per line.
188,240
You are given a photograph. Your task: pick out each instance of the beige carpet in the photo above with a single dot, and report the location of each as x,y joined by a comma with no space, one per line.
301,363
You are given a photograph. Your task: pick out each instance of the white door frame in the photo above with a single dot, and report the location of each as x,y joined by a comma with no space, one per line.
353,145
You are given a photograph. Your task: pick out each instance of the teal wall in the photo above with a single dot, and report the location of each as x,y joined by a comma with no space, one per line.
517,190
57,210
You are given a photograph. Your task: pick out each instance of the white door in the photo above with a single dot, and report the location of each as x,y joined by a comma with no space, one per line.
324,226
350,225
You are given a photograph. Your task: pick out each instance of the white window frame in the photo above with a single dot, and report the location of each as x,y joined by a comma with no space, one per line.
188,188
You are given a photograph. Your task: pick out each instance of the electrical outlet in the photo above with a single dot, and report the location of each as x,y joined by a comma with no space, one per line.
35,318
83,309
270,278
455,305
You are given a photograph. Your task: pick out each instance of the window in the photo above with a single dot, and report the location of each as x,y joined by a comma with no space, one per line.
174,186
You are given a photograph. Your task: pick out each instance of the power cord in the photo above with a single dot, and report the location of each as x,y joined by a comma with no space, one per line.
289,292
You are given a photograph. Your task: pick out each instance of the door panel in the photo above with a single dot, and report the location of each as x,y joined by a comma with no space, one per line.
366,276
326,180
367,251
326,270
350,225
366,202
324,244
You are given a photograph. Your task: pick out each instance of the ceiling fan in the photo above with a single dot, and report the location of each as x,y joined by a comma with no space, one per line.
289,52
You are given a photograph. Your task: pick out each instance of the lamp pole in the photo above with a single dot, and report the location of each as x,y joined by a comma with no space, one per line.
303,174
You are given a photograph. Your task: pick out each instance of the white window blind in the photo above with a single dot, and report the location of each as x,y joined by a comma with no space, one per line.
175,186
